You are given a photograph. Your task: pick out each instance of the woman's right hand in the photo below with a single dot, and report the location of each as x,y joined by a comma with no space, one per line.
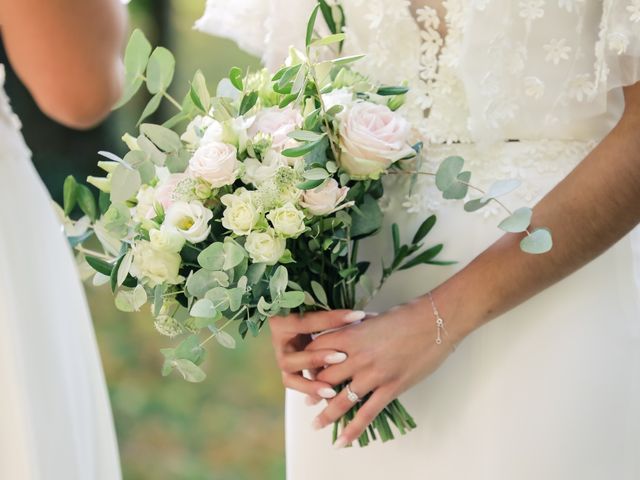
292,333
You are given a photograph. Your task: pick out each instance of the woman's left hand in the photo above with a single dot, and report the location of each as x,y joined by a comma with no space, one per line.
386,355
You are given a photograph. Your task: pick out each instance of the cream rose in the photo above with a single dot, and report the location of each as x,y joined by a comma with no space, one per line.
277,122
190,219
155,266
166,239
325,198
216,163
241,214
372,137
265,247
287,220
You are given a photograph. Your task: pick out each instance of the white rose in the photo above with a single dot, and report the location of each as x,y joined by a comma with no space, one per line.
155,266
324,199
257,172
166,239
232,131
265,247
277,122
372,137
197,128
216,163
340,96
190,219
287,220
241,214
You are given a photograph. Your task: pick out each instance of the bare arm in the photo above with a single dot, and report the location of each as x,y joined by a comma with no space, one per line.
591,209
67,53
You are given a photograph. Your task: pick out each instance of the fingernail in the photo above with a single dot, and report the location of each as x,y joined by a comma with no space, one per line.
316,424
354,316
341,442
336,357
327,392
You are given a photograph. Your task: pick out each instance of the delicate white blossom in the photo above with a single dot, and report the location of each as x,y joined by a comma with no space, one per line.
190,219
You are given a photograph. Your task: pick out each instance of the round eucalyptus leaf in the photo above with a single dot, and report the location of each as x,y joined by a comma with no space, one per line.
125,183
475,204
448,172
226,340
501,187
518,221
203,308
539,241
165,139
189,370
292,299
212,257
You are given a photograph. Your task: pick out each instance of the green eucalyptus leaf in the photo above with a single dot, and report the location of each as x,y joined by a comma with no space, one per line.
301,150
448,171
256,272
458,190
388,91
475,204
212,257
151,107
203,280
366,219
306,135
518,221
189,370
316,174
234,254
501,187
131,300
309,184
69,194
292,299
319,292
160,70
226,340
278,282
125,183
99,265
165,139
190,349
140,161
203,308
537,242
136,57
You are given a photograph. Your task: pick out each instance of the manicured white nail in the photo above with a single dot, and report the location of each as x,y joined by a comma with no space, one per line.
354,316
327,392
336,357
341,442
316,425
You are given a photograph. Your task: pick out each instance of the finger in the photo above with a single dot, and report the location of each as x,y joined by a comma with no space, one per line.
339,373
312,400
341,404
309,360
366,414
310,387
314,322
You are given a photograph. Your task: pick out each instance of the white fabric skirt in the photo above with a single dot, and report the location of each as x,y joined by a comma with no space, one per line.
55,417
550,390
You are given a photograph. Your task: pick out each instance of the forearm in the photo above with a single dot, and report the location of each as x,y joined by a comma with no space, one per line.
591,209
67,52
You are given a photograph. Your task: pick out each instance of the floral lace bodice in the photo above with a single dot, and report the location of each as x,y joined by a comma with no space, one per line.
507,69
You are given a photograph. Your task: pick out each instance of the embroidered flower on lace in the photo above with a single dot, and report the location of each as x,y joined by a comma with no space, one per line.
618,42
568,5
557,50
531,9
533,87
634,10
581,87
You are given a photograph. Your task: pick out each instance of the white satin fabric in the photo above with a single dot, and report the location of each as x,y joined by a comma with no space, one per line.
55,417
551,389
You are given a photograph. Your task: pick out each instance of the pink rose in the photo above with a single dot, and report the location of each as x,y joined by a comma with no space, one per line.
277,122
216,163
164,193
372,137
324,199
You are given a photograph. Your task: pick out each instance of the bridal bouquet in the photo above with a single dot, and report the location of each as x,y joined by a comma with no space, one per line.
252,202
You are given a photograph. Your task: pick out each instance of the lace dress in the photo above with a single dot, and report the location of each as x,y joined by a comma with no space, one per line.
55,418
522,89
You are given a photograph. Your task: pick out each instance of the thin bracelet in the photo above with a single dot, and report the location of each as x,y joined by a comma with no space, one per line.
439,322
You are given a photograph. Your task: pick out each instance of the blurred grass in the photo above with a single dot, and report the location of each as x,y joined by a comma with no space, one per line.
230,426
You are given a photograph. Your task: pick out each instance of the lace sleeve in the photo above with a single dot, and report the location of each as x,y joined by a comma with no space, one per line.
618,47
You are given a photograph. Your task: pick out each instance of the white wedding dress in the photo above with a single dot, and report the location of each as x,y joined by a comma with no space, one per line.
521,89
55,417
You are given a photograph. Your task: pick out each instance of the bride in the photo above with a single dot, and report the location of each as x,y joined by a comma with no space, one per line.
55,418
545,382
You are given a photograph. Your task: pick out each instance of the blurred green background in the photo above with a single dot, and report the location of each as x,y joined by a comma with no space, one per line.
230,426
